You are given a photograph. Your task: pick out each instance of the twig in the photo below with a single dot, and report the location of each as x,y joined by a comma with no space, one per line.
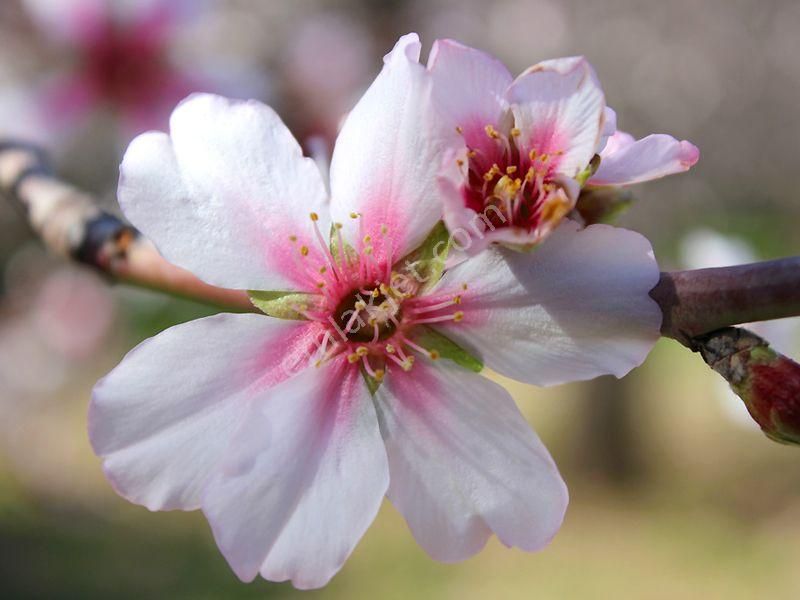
696,302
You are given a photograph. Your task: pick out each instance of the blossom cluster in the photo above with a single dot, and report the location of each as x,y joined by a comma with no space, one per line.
443,243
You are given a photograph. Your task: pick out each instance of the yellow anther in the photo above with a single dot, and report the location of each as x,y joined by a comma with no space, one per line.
304,250
434,354
379,375
544,157
458,316
320,284
491,132
408,363
515,132
353,215
459,162
360,305
368,250
292,238
459,130
362,351
323,269
464,286
384,230
472,154
511,169
367,239
375,293
533,154
456,299
530,175
352,358
338,225
488,176
389,349
314,216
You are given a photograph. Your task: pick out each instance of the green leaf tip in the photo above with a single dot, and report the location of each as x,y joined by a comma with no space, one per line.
426,262
281,305
434,341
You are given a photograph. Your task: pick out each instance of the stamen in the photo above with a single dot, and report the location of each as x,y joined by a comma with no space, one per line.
405,364
458,316
342,250
368,367
325,247
438,306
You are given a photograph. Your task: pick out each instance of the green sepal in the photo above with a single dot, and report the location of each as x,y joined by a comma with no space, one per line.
281,304
349,252
426,263
590,170
430,339
603,204
372,383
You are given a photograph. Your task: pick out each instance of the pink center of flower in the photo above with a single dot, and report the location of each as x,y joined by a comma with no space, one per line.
370,314
511,185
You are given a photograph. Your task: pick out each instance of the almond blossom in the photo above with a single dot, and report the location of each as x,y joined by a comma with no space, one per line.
361,381
524,147
121,60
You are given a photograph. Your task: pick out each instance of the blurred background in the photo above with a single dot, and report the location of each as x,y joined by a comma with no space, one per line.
675,494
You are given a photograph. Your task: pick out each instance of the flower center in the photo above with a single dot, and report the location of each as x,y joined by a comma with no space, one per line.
369,314
510,184
368,318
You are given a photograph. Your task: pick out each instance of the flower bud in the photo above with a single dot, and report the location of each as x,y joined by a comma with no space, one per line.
767,382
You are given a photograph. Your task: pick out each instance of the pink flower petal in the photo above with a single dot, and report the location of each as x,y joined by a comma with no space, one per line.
303,480
163,418
626,161
559,107
385,161
464,463
223,193
575,308
469,89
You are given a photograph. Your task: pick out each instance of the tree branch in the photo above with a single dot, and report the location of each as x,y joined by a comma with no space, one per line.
703,300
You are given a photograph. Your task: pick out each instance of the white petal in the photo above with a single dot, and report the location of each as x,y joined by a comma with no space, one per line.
609,128
385,161
625,161
164,417
577,307
559,106
222,194
304,479
468,87
464,463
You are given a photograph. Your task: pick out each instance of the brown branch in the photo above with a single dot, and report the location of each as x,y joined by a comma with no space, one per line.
703,300
70,224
